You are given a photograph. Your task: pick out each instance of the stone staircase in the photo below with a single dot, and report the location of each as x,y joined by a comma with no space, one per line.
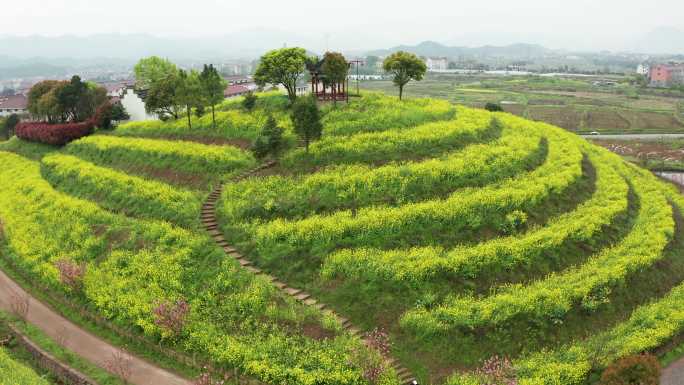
210,223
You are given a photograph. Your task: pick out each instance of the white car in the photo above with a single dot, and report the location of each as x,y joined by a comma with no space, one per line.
594,133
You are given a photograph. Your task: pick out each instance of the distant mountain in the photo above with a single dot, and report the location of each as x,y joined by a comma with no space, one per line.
245,44
663,40
431,48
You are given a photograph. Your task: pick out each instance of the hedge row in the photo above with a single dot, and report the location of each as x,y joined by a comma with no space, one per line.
587,286
394,184
540,245
55,134
465,210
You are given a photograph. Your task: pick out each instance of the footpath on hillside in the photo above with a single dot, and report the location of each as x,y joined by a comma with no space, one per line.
79,341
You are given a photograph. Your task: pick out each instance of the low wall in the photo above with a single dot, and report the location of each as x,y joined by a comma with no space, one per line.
46,361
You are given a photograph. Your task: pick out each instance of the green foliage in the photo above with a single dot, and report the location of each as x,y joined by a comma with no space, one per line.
282,66
356,186
376,112
556,295
64,101
15,373
9,124
186,157
493,107
119,113
160,78
249,101
189,93
306,119
237,320
421,265
270,142
404,67
213,86
116,190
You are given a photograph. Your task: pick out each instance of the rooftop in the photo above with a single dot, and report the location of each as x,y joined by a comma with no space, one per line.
16,102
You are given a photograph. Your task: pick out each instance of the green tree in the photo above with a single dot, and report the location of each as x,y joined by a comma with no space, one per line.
249,102
282,66
493,107
306,119
270,140
161,98
42,101
404,67
10,123
213,87
159,78
189,92
119,113
150,71
335,69
62,101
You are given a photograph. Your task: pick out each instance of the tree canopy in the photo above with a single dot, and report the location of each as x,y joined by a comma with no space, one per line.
213,87
334,69
404,67
306,119
64,101
159,78
189,92
150,71
282,66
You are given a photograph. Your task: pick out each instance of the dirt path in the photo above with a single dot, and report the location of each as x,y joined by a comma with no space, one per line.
79,341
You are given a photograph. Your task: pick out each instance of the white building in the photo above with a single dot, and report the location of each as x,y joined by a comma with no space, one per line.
16,104
643,69
437,63
134,104
365,77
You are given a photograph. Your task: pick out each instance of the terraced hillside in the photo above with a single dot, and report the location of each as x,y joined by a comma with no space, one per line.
460,233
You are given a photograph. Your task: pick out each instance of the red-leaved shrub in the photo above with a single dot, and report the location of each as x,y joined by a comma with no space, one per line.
641,369
55,134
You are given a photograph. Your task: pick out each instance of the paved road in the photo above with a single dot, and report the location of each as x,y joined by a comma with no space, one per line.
635,136
673,374
79,341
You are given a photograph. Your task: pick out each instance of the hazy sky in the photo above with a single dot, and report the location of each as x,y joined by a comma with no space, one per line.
357,24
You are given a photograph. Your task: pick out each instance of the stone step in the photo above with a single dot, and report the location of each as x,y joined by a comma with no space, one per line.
229,249
236,255
279,285
292,291
253,270
215,232
321,306
218,238
244,262
302,296
310,302
401,372
353,331
269,278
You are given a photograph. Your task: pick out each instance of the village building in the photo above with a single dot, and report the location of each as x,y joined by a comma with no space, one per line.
235,90
436,64
643,69
16,104
666,75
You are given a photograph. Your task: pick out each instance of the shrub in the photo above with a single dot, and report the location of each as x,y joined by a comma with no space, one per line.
55,134
493,107
642,369
249,102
